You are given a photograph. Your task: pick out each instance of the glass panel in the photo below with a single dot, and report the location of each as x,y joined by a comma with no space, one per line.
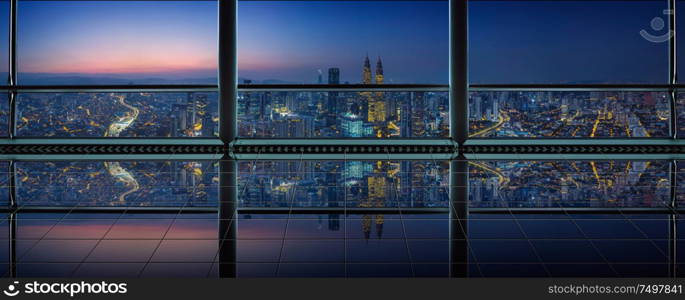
117,183
343,114
117,42
115,245
351,184
597,184
680,44
680,109
117,115
4,183
570,245
4,41
569,114
558,42
680,184
4,114
308,42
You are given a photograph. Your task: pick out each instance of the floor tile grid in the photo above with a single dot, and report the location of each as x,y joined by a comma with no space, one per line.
675,217
666,255
512,214
393,190
233,219
40,239
287,223
107,232
161,241
528,240
464,231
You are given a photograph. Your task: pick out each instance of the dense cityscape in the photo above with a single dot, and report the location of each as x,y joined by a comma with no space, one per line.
344,114
361,184
117,183
569,183
304,114
338,114
117,115
365,184
567,114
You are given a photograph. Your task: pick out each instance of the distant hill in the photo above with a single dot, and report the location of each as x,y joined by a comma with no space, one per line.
87,79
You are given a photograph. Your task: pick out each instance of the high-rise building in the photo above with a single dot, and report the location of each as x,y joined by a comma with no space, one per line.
333,76
379,71
366,73
333,99
376,110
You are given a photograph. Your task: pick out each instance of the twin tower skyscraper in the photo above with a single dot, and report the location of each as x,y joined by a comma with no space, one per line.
334,73
366,73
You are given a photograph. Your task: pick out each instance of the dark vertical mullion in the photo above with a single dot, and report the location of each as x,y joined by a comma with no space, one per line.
673,245
12,66
673,67
673,219
459,95
674,184
228,63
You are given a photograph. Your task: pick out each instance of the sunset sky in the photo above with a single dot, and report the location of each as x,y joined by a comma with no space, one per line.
292,41
118,37
289,41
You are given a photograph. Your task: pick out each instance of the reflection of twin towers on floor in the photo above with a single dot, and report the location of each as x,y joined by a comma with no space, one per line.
457,243
378,188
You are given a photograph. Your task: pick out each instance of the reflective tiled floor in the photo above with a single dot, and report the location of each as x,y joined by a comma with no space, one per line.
343,219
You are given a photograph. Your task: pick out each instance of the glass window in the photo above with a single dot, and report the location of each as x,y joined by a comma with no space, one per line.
554,184
4,114
117,183
343,114
117,42
309,42
4,183
680,44
560,42
4,41
569,114
351,184
114,115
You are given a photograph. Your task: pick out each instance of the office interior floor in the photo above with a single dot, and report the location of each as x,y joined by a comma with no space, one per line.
342,218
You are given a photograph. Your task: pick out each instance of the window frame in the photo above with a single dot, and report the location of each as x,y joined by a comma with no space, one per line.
458,87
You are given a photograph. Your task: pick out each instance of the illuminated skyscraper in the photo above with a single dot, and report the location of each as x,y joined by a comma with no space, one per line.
377,111
366,73
379,71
